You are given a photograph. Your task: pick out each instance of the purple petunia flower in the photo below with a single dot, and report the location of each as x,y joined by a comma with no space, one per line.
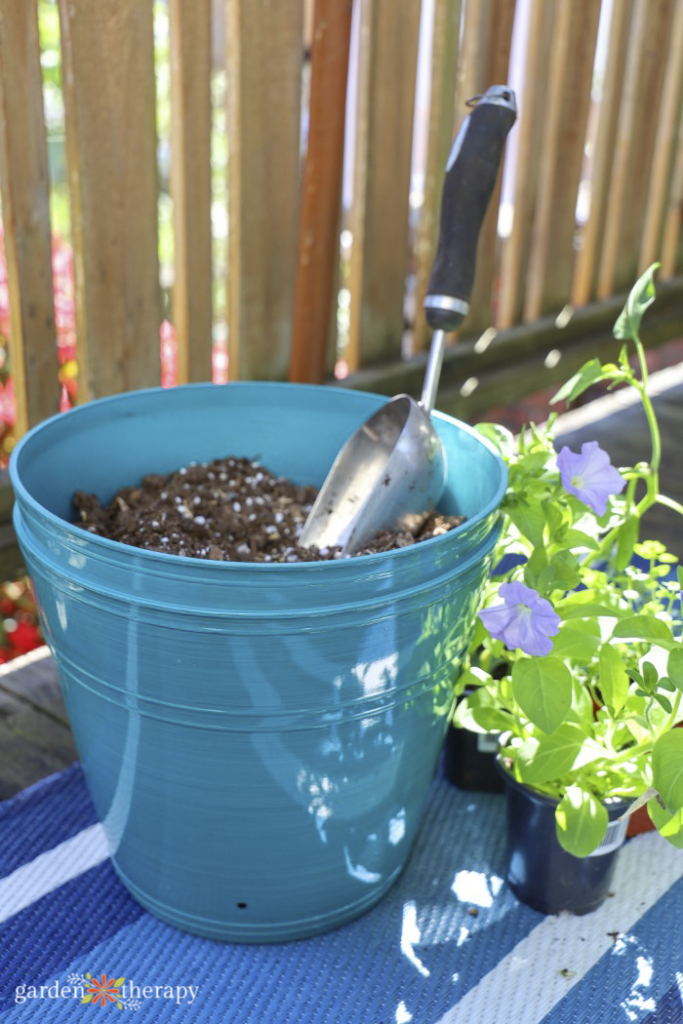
590,476
526,620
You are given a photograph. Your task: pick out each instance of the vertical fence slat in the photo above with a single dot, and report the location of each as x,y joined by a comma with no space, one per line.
485,60
649,45
109,99
667,134
318,243
26,216
264,59
551,262
673,219
444,65
389,32
585,275
190,46
516,248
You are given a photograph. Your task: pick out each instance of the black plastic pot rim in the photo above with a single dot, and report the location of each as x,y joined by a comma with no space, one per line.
611,802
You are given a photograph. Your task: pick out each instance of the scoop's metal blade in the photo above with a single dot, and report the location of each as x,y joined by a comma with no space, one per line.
388,475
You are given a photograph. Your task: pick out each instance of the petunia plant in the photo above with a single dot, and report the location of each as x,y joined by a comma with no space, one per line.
577,657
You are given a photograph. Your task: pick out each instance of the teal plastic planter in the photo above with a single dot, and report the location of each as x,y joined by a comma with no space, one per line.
258,739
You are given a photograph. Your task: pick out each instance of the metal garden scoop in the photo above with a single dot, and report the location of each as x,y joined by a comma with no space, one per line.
391,473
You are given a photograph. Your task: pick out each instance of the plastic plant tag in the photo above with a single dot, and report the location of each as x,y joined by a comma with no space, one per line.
614,838
487,743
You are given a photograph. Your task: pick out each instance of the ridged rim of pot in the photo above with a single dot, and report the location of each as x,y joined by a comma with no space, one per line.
160,558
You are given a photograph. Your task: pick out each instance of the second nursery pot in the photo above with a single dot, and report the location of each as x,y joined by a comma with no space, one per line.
540,872
470,759
258,739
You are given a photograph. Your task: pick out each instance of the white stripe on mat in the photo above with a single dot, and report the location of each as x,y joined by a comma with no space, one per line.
51,869
526,984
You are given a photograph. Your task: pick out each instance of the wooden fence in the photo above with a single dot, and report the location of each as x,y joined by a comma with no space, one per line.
592,191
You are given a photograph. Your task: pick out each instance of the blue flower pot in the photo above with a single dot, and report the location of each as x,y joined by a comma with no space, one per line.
258,739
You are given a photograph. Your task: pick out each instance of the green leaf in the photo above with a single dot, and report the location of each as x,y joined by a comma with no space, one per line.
668,825
589,373
579,539
674,667
667,769
542,759
481,719
582,711
543,689
614,679
535,565
642,627
585,609
561,573
533,463
641,296
663,702
650,675
553,517
578,641
627,538
580,822
529,521
623,359
500,436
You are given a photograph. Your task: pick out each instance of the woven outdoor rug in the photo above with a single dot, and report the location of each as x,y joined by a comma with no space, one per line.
448,944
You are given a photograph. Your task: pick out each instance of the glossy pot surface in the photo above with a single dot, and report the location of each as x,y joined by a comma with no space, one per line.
258,739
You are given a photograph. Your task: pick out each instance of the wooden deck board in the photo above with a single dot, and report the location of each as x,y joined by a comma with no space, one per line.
35,739
34,736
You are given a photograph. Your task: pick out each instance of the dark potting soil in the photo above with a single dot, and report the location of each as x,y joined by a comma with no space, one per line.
231,510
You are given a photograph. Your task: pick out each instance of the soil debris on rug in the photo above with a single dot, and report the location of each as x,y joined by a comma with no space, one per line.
230,509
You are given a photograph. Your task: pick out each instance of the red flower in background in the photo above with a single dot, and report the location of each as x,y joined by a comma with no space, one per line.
169,356
24,637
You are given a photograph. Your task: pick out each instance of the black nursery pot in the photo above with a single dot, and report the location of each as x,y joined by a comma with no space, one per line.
542,874
470,761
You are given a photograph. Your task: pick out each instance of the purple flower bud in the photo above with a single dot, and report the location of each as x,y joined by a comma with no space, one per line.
526,620
590,475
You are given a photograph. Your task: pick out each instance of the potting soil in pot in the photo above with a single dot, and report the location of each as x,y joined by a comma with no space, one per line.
230,509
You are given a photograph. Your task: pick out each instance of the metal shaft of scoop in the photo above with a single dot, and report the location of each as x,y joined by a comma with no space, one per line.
430,385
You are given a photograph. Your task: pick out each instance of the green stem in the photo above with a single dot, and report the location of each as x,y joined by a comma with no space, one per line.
662,499
673,718
631,752
645,745
649,410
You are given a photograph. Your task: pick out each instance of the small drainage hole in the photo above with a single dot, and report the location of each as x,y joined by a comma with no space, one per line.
241,906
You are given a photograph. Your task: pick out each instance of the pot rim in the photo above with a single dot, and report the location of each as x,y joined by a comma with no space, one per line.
210,565
612,803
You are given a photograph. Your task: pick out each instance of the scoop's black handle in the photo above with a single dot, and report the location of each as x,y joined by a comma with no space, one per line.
471,175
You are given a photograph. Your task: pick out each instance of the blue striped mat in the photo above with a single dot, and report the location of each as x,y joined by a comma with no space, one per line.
449,944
